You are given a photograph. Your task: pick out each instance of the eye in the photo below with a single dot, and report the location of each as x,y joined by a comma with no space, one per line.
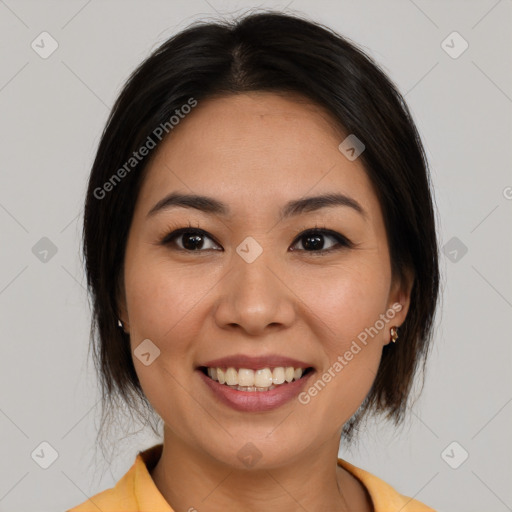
313,240
189,239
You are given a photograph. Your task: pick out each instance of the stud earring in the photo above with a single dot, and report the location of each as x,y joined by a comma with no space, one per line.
394,334
119,323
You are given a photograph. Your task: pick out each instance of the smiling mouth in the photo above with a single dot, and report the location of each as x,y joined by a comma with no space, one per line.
263,379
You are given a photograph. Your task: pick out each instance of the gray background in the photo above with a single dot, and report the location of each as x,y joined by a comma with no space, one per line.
52,112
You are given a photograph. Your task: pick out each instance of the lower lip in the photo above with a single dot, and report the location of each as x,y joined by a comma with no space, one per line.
256,401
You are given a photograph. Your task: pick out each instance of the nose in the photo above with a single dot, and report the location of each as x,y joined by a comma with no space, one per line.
254,297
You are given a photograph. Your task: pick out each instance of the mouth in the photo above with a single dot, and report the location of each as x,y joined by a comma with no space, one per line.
255,383
255,380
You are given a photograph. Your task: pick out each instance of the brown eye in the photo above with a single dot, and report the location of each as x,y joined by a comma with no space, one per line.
189,240
313,240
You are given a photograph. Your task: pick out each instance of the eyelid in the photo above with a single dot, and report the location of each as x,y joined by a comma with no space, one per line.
341,239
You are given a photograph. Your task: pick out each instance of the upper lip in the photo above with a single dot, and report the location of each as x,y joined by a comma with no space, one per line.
255,362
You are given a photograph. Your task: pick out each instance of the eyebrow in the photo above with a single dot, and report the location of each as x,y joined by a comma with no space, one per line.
292,208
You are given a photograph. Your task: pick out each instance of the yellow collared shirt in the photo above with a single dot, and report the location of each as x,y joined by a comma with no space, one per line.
136,491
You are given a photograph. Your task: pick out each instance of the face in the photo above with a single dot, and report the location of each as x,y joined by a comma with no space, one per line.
251,279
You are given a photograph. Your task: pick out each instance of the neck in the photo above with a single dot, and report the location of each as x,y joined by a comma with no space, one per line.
192,480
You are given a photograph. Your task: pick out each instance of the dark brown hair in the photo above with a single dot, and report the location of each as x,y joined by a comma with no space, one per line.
266,51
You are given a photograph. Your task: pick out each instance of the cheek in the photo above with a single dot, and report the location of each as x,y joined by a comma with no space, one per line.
163,306
346,304
347,300
160,298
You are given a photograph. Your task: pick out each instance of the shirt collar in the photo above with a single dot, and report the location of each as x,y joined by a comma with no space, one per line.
149,497
146,492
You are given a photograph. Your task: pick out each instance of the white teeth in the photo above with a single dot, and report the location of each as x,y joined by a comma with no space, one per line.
264,379
278,375
251,388
231,377
245,377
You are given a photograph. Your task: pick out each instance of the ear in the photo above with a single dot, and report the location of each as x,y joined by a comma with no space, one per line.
121,304
400,297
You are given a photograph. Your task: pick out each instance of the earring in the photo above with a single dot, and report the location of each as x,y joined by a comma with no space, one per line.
394,334
119,323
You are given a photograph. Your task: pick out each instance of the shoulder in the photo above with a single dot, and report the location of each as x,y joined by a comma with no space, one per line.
120,497
384,497
135,491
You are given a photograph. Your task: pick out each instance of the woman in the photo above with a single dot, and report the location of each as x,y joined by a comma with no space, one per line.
261,251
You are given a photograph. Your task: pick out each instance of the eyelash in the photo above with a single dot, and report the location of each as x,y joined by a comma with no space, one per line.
342,241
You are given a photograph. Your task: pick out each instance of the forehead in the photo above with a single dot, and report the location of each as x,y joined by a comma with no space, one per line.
253,149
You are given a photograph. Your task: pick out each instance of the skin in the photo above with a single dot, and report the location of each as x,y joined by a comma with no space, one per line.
255,152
